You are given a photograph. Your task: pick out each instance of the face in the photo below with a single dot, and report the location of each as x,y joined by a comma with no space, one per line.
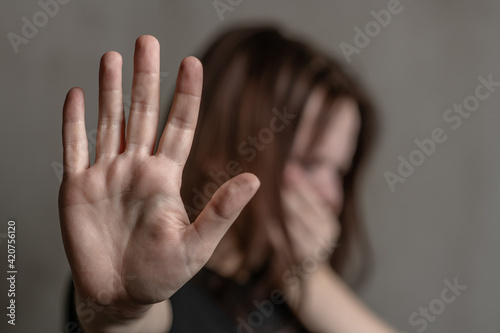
328,162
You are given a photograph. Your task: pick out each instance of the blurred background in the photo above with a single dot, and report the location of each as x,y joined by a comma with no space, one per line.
433,223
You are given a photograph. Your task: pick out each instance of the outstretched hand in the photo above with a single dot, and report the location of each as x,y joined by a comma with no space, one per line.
126,233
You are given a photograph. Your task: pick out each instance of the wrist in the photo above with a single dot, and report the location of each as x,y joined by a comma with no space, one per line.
98,318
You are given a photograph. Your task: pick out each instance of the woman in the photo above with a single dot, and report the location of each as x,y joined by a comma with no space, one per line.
271,106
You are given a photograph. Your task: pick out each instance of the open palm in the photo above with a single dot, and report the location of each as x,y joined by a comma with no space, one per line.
126,233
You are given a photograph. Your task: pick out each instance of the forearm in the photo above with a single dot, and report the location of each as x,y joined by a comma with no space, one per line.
328,305
156,318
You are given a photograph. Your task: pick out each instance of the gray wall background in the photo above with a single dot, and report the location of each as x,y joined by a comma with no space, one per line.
441,223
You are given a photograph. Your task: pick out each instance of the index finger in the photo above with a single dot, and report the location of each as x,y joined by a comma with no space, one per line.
177,137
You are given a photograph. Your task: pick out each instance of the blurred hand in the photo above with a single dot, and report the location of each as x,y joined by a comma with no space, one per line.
126,233
311,222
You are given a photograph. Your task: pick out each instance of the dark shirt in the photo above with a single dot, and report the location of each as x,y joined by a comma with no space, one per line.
211,303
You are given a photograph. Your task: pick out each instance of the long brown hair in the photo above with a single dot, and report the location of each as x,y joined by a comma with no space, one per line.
252,74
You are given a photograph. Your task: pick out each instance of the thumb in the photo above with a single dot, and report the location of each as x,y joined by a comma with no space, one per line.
223,209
